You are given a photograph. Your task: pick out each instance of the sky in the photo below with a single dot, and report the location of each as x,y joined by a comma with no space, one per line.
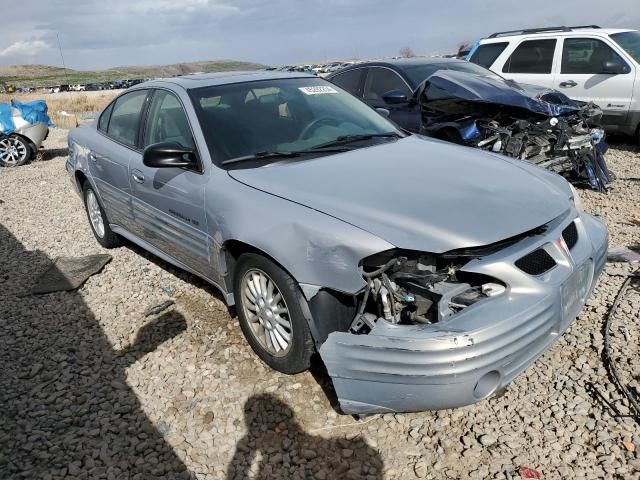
96,34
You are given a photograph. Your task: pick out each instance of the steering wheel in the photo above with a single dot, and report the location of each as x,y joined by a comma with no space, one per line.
305,134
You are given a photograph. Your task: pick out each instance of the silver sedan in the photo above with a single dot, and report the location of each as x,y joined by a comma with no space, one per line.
426,275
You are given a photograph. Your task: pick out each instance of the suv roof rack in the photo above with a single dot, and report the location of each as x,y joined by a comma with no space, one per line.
539,30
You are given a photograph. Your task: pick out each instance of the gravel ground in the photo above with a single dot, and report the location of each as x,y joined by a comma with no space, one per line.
91,388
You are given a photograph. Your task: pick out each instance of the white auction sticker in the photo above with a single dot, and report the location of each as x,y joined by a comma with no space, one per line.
317,90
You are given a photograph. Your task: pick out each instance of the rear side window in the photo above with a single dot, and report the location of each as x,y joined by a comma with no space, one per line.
487,53
125,117
350,81
586,55
531,56
381,81
103,123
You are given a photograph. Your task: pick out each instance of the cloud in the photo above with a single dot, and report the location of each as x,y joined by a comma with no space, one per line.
22,48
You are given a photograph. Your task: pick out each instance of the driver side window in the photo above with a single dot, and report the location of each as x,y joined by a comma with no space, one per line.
167,121
382,80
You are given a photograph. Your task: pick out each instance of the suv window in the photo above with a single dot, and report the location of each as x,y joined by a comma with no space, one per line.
382,80
487,53
103,123
531,56
586,55
167,121
125,117
350,81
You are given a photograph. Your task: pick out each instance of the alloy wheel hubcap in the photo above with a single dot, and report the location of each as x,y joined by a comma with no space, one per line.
95,216
267,312
12,151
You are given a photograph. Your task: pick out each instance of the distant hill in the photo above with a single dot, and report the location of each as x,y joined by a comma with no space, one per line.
46,75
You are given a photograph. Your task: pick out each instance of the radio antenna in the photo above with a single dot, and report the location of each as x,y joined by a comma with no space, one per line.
64,69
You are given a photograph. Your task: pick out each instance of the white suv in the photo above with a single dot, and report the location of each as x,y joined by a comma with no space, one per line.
587,63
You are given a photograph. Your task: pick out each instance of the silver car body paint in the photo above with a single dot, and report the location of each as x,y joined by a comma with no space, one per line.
319,218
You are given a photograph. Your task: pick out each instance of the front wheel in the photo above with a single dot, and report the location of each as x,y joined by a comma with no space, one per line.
14,151
271,317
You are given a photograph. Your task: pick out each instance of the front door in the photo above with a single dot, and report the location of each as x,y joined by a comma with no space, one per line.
582,76
382,80
168,203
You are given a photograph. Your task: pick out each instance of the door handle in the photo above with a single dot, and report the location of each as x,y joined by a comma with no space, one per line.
568,84
137,176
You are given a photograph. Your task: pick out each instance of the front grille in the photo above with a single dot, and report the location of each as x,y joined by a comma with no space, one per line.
536,262
570,235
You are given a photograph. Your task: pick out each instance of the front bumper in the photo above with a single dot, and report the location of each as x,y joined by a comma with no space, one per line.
480,350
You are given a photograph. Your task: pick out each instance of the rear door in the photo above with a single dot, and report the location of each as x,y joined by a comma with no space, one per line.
110,154
382,80
532,62
168,203
581,76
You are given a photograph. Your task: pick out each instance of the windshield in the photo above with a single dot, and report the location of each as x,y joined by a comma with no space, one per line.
283,115
419,73
630,42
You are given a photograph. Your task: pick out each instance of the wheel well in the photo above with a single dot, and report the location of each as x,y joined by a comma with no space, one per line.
329,310
449,134
29,143
80,179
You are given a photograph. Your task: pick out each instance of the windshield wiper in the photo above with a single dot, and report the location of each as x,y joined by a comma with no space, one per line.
276,154
345,139
260,156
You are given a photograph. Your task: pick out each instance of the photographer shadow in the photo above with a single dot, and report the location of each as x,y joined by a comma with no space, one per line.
67,411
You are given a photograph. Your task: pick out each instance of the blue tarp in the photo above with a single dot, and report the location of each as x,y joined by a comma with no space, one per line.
33,112
6,119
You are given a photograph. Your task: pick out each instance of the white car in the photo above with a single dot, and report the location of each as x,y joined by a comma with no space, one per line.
586,63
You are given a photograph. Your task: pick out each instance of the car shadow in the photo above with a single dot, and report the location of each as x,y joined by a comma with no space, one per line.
275,446
51,153
67,411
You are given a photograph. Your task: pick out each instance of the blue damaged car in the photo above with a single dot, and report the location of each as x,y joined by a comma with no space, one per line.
426,275
465,103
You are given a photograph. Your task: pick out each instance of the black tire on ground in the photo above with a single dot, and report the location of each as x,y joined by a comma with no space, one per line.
108,239
14,151
298,357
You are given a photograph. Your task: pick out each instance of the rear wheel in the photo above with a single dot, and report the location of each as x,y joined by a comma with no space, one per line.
97,219
14,151
269,308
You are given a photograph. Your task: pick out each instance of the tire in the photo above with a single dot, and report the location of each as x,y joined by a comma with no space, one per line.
258,322
97,218
14,151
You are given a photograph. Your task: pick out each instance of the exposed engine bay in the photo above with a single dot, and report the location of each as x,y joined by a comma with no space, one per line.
530,123
571,146
417,288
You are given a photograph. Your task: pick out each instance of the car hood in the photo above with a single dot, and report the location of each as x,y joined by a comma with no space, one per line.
477,88
420,194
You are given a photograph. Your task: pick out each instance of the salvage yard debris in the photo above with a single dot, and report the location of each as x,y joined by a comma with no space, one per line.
158,308
23,128
69,273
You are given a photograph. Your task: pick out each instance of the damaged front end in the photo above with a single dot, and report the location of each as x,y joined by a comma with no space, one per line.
529,123
436,331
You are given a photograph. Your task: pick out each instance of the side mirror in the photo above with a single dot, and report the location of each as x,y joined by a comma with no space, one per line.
169,155
394,97
383,111
612,67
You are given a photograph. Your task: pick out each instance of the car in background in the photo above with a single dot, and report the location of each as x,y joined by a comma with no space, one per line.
587,63
23,128
334,232
465,103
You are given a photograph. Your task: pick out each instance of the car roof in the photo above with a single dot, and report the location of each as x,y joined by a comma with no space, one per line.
506,37
402,62
223,78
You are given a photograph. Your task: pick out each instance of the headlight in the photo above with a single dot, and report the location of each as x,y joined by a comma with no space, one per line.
576,199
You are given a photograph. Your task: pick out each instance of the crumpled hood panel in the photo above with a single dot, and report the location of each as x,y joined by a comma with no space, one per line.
477,88
420,194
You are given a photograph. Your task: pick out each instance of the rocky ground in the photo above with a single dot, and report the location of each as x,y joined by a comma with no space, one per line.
91,388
